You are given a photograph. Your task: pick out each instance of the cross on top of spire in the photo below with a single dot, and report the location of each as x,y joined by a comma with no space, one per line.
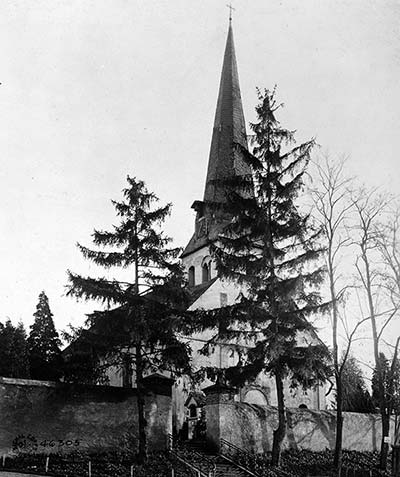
225,161
230,11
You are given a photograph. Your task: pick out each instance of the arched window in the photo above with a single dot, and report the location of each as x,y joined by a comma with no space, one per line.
191,276
206,269
205,272
255,396
192,411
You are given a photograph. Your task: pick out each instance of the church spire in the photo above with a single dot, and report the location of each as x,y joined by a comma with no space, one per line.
229,128
225,161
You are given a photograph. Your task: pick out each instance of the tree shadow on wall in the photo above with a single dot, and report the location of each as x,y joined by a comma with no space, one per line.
261,413
367,433
314,422
292,444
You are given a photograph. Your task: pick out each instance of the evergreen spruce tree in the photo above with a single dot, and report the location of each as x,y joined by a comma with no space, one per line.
137,331
271,249
81,363
14,362
45,359
390,372
356,397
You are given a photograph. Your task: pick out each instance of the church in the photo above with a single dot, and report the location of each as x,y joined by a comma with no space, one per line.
208,290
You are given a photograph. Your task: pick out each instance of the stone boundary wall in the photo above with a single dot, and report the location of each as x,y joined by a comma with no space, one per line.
46,417
250,427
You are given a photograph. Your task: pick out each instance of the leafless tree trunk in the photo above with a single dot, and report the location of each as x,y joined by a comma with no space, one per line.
388,242
280,431
369,209
142,454
332,206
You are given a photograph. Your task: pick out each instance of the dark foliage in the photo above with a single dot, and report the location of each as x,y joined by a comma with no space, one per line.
136,333
302,463
14,360
295,463
82,363
271,248
45,359
356,397
103,464
391,383
146,310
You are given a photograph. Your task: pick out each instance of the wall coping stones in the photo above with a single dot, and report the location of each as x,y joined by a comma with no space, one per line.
28,382
156,383
219,393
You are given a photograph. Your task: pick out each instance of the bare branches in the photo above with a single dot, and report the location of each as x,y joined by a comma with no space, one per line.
376,264
364,220
376,267
388,244
332,206
331,195
350,339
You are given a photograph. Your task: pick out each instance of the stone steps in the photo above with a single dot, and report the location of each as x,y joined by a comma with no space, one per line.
223,468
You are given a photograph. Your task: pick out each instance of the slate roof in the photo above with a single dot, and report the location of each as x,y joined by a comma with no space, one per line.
198,396
229,128
224,161
196,291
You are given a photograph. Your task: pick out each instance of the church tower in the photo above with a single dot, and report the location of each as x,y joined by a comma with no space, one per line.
208,290
224,162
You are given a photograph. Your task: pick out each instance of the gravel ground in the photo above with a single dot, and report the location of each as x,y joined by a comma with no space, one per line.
17,474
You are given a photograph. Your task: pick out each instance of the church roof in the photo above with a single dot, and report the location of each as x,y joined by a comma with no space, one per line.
198,397
198,290
229,128
224,160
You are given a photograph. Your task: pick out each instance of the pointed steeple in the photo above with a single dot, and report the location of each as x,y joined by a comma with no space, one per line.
224,160
229,128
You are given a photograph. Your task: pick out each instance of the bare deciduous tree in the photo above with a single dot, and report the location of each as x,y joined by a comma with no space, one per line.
371,240
388,242
332,203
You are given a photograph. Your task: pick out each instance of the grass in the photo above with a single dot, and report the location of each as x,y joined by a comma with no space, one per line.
295,463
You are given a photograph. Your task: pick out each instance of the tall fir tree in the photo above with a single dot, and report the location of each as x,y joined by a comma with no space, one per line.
137,332
390,371
14,361
45,358
81,362
356,397
270,248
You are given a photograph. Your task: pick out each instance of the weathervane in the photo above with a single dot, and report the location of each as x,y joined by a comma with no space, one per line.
230,11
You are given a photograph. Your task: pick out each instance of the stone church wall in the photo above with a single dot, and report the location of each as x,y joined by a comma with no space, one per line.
250,427
50,417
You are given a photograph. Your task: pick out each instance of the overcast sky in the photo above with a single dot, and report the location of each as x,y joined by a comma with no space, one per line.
94,90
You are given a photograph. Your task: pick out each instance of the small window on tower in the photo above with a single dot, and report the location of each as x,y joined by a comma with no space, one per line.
206,273
191,276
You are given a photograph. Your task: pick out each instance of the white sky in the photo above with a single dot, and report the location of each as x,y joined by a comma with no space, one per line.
95,90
